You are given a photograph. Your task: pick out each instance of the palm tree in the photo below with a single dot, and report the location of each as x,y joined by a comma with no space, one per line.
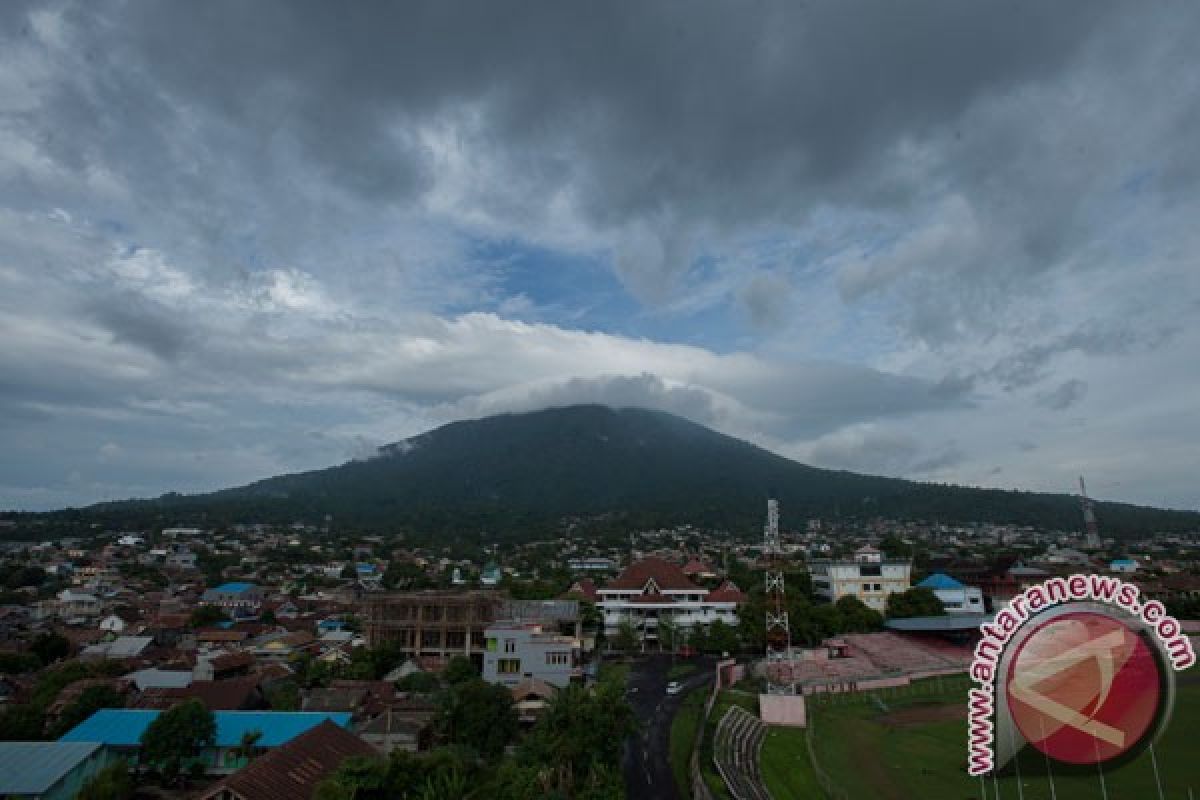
248,744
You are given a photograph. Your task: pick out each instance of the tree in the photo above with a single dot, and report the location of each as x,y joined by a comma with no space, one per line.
627,639
459,670
854,616
348,573
177,735
722,638
915,602
22,723
111,783
574,750
50,647
207,616
90,700
284,696
479,715
248,746
419,682
668,632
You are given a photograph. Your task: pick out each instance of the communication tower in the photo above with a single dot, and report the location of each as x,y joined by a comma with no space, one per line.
779,633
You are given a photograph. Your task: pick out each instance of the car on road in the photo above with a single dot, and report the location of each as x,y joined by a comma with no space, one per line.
674,687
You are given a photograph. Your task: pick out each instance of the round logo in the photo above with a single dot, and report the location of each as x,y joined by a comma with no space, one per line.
1084,688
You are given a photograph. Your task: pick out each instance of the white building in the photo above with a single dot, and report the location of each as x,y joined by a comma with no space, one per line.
868,576
521,651
651,589
957,598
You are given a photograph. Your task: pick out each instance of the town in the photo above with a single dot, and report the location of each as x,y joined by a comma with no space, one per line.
215,660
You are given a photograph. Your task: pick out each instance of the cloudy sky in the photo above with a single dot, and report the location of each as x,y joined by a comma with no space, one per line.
946,241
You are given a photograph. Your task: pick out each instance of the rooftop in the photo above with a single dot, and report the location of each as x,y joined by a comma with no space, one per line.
939,580
124,727
236,587
33,767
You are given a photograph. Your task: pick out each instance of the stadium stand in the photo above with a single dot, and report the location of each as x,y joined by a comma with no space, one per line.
736,745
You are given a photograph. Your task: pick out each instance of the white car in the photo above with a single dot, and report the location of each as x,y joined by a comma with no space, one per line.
674,687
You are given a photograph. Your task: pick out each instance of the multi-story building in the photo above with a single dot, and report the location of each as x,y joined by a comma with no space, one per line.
956,597
520,651
236,596
439,622
654,589
432,622
868,576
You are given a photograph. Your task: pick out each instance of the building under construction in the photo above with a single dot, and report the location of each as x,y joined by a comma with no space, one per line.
449,622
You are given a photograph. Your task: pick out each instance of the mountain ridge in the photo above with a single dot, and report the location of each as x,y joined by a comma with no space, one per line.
522,472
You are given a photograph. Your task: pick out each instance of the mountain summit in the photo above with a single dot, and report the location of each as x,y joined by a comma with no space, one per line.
510,471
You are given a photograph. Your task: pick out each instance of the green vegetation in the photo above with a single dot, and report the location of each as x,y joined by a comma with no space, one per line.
176,736
725,699
684,728
111,783
916,602
479,715
207,616
914,746
681,671
516,476
785,768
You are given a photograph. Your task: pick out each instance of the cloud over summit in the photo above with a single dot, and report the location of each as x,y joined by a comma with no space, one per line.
897,237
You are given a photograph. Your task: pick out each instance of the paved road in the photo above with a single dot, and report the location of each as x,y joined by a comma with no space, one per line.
647,760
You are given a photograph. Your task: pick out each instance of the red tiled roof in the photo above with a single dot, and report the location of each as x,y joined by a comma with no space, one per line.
292,772
585,588
665,574
727,592
695,567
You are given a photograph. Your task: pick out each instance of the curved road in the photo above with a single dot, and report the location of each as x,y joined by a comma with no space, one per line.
647,760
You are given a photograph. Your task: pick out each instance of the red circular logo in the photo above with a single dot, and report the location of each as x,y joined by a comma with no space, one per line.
1084,688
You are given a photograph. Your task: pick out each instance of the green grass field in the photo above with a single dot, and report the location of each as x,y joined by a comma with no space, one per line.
683,736
916,749
785,767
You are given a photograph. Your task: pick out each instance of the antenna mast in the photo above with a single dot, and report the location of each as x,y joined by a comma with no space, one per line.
779,633
1089,516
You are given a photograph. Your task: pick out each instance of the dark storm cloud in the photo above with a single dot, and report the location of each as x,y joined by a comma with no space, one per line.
671,120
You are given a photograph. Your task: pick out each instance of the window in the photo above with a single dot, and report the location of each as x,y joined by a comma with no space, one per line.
558,658
510,645
508,666
866,587
491,645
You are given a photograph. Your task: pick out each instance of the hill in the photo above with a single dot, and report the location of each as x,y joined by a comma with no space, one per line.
518,474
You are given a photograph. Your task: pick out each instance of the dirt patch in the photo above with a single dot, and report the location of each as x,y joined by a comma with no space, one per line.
922,715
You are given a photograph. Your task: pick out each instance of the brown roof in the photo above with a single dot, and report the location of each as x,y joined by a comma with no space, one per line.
233,694
727,592
585,588
695,566
220,636
664,573
292,772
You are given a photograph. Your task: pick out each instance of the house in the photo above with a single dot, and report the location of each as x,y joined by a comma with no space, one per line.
490,576
292,771
121,731
48,770
73,605
956,597
517,651
235,596
530,698
401,728
697,570
591,564
155,678
1123,565
868,576
113,624
120,647
654,588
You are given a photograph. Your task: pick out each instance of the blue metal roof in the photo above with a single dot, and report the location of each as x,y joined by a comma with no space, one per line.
236,587
34,767
124,727
940,580
949,622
